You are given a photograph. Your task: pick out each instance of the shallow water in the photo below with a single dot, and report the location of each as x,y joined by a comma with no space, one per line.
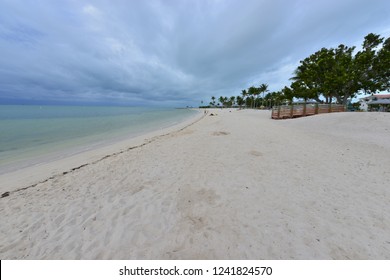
28,132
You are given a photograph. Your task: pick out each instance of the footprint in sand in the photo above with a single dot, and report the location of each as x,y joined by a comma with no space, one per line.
219,133
255,153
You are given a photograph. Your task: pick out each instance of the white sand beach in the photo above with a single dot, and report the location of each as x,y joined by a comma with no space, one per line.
236,185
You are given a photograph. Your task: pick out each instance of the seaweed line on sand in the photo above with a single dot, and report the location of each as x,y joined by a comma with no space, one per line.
148,141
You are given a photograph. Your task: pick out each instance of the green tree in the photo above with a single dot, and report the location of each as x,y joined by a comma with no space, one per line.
329,72
301,90
288,94
245,96
240,101
364,64
221,99
263,88
252,92
339,73
381,66
232,100
212,100
274,98
343,81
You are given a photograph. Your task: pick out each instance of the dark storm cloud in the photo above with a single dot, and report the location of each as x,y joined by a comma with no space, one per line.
167,52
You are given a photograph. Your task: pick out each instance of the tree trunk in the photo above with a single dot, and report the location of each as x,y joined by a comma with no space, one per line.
345,101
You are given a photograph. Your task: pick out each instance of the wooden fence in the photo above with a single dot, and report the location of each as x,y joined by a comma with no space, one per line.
295,111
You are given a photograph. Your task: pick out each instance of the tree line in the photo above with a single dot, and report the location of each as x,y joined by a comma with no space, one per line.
328,75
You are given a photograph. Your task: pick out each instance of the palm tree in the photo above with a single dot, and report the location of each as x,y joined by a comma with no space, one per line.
244,94
252,91
213,100
225,101
239,101
232,100
277,97
263,88
222,100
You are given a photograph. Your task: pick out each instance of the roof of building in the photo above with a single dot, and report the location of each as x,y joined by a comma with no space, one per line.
375,96
379,102
382,96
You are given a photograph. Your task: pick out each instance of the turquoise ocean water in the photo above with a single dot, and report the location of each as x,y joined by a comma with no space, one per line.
28,133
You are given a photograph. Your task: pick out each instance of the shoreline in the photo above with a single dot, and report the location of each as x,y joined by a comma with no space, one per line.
52,134
21,177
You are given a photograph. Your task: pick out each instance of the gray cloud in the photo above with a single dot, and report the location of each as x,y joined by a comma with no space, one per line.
167,52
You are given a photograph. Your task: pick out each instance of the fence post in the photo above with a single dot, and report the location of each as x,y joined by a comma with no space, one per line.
292,111
330,108
316,109
279,112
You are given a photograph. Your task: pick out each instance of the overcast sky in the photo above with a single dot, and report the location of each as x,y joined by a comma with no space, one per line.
170,53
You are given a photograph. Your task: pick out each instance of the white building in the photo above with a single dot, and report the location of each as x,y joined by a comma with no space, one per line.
374,99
